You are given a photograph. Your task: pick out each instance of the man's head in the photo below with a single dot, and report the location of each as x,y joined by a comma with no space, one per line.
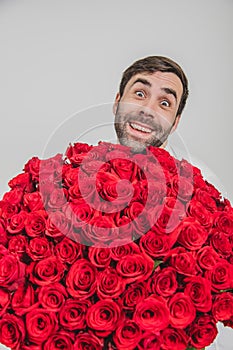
152,95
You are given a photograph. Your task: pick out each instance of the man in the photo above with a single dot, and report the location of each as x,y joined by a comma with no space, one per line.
148,107
153,93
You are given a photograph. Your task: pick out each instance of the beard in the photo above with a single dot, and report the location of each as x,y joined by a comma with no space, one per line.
156,138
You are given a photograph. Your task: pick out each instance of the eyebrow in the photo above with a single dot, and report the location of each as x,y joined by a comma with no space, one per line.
168,91
143,81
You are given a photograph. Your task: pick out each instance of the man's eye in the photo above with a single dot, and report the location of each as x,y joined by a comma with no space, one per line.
140,94
165,103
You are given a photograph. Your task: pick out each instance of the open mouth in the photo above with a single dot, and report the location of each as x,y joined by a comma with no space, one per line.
139,129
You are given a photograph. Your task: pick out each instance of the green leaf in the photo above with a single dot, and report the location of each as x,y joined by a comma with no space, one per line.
157,263
194,349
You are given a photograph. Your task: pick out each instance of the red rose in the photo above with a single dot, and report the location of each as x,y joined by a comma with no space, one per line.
81,279
33,201
176,205
12,331
103,317
164,282
100,230
154,171
191,234
206,200
133,294
57,198
39,248
99,257
50,177
156,244
198,289
164,158
4,301
57,225
51,165
40,324
135,268
113,189
22,181
173,338
134,210
118,251
12,270
126,228
183,261
33,167
203,331
221,243
186,169
149,341
198,211
46,271
165,219
114,151
182,188
84,190
70,176
23,299
207,258
35,223
80,213
14,196
122,166
94,167
141,224
224,221
213,192
156,193
68,251
223,307
16,222
221,276
8,209
77,152
18,245
87,341
52,297
182,310
109,284
59,340
127,335
152,314
72,315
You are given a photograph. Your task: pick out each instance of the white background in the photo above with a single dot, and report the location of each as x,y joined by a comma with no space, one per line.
58,57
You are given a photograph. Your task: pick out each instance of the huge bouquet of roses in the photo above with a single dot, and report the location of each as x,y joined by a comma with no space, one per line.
108,249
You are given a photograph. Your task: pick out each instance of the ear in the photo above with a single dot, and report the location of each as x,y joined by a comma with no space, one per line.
117,99
177,120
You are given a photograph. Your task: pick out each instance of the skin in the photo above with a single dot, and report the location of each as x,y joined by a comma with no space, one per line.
150,101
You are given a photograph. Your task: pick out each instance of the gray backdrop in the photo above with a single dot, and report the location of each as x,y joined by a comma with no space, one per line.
59,57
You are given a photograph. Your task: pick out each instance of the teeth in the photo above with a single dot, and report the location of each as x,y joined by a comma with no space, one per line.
140,128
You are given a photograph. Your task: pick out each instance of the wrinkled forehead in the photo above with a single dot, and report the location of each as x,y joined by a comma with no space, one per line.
158,79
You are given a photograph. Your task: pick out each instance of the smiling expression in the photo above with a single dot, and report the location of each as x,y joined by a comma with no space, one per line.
146,113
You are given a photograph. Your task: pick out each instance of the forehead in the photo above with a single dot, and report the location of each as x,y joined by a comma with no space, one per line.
159,80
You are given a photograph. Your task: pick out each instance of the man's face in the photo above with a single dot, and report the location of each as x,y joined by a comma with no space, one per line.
146,113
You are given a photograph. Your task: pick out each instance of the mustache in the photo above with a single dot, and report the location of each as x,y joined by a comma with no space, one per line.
151,123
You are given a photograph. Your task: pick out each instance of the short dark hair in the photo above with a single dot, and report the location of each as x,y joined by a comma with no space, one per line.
153,64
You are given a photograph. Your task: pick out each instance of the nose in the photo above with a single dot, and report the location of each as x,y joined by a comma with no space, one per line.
148,108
